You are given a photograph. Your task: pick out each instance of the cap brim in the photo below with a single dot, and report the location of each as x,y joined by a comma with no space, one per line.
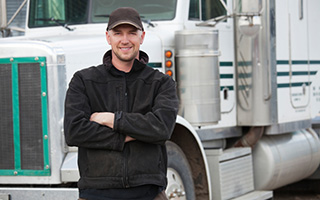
124,22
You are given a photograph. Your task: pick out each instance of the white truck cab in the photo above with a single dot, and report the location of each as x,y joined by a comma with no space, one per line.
248,81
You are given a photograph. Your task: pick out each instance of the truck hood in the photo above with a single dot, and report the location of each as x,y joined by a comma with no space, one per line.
81,49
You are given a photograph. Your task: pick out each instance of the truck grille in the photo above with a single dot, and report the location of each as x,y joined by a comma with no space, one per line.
30,115
6,124
23,124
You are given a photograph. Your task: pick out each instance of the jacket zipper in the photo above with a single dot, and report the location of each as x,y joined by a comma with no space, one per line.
126,151
118,98
126,103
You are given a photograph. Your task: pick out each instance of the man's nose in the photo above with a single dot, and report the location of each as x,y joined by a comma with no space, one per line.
125,38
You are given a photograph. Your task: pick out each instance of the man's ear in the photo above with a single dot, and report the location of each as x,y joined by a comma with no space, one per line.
108,37
142,36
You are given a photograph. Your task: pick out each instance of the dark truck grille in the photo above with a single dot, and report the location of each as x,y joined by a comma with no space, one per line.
6,124
31,139
23,124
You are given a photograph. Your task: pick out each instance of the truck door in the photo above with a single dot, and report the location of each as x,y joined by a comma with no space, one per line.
299,71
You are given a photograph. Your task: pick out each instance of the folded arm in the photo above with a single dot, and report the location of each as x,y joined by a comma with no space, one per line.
79,129
106,119
155,126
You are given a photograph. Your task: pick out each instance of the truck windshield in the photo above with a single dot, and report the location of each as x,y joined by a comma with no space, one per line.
45,13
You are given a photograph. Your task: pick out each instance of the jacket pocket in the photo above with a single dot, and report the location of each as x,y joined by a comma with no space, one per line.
104,163
145,158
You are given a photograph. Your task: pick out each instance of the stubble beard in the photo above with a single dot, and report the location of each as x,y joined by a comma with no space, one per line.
125,58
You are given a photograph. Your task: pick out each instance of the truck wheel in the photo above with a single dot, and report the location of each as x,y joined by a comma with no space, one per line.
180,182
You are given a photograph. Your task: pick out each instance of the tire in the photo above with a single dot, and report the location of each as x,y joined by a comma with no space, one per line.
180,182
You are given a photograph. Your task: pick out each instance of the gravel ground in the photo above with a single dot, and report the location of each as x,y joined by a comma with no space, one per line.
296,196
303,190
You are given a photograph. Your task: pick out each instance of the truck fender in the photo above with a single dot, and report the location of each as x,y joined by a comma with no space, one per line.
185,136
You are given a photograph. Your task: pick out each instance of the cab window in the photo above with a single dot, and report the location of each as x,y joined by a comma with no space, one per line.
153,10
56,12
194,11
209,9
212,9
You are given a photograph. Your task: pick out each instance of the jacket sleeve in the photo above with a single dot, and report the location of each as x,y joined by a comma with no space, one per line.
79,130
155,126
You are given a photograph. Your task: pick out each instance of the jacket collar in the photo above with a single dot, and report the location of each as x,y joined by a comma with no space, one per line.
137,65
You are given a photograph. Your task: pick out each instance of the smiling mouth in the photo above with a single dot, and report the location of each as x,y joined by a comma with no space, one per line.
125,48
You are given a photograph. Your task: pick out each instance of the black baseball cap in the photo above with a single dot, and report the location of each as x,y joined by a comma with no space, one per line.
125,15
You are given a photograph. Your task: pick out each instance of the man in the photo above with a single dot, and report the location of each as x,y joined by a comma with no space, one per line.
120,115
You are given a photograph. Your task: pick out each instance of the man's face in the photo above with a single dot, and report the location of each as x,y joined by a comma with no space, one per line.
125,41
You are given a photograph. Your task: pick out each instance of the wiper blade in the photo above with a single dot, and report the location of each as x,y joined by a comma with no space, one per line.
57,21
102,15
148,21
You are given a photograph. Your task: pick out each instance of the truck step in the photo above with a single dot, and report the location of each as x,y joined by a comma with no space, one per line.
231,172
256,195
38,193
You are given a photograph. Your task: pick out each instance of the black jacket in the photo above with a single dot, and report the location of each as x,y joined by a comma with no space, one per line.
145,105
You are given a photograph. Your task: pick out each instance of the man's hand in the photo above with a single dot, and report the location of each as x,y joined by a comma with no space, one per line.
106,119
128,139
103,118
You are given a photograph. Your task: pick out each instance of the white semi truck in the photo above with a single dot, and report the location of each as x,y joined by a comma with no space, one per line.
248,81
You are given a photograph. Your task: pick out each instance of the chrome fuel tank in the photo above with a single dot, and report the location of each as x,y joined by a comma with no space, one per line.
198,75
279,160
